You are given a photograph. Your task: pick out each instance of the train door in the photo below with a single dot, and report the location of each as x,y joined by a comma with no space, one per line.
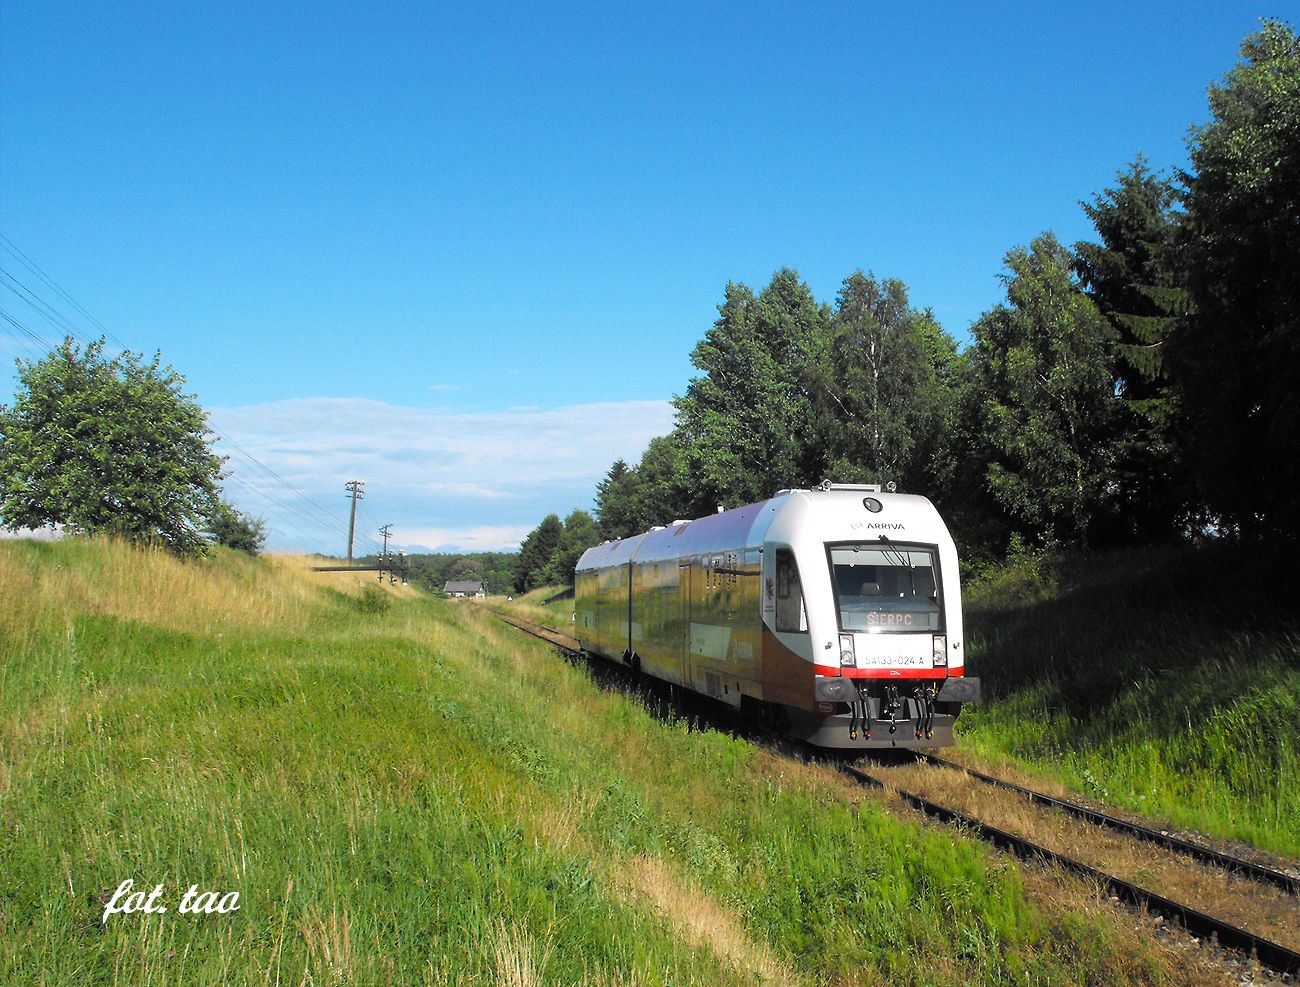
787,647
684,620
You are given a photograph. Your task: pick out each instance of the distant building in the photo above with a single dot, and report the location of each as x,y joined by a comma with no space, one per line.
456,588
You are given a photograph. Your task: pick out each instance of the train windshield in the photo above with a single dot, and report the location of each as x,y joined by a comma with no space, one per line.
881,589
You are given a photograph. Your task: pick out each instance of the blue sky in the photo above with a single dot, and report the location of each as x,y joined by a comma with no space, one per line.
463,252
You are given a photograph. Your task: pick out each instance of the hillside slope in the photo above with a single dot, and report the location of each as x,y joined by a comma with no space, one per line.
1167,681
402,790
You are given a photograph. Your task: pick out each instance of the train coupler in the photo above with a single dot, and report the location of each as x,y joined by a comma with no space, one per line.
864,717
891,706
925,697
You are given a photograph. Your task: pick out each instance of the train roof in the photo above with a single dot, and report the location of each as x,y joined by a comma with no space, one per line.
726,529
610,553
748,526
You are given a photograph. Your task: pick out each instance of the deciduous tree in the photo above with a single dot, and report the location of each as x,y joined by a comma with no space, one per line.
536,552
231,527
580,533
747,424
107,445
887,386
1040,363
614,506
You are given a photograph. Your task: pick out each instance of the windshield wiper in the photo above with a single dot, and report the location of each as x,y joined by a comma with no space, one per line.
895,557
904,561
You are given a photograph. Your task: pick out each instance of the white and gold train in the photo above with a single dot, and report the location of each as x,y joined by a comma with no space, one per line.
832,614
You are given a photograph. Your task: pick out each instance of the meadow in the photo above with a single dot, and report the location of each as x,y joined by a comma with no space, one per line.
402,790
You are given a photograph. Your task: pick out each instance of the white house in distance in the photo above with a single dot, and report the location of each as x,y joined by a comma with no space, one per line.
458,588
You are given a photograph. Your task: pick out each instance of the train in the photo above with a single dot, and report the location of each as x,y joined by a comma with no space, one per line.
831,615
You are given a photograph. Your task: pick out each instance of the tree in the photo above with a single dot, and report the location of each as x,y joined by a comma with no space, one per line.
496,570
536,552
659,489
1040,362
1132,276
664,490
232,528
112,446
614,502
746,425
977,518
886,387
580,533
1237,358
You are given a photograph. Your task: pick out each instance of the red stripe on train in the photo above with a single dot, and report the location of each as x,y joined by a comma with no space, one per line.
887,673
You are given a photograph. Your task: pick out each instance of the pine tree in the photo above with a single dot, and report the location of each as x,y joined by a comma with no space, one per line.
1237,359
1132,278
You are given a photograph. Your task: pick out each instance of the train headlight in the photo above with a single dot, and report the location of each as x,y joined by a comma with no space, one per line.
847,657
940,649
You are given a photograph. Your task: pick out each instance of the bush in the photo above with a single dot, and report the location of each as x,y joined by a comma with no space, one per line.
374,600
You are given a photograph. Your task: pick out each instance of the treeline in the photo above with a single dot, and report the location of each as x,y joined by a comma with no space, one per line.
1140,387
552,549
495,570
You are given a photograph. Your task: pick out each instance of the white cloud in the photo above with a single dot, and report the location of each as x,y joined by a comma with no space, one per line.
54,533
489,538
441,477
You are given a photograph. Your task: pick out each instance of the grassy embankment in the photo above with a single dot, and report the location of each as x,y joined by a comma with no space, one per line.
550,606
1165,681
403,790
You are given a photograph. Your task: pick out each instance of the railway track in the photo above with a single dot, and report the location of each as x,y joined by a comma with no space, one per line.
547,634
1205,855
1270,954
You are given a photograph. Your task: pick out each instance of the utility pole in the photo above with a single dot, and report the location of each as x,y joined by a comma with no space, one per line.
357,490
383,558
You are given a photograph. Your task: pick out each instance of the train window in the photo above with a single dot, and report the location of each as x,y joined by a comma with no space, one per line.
790,615
884,589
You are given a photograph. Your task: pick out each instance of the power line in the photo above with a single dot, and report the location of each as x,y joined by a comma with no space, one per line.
69,327
60,322
11,248
324,512
25,331
274,505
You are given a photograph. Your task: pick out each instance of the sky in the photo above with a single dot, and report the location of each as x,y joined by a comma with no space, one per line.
463,252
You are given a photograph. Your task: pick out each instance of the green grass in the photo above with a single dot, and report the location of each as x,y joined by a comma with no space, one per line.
1166,681
412,793
551,606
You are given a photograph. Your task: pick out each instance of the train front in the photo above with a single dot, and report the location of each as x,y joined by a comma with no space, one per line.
863,587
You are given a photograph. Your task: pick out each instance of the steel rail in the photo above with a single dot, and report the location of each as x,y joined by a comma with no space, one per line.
563,641
1204,854
1269,953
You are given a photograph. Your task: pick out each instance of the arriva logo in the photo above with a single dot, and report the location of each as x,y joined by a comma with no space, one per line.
884,526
